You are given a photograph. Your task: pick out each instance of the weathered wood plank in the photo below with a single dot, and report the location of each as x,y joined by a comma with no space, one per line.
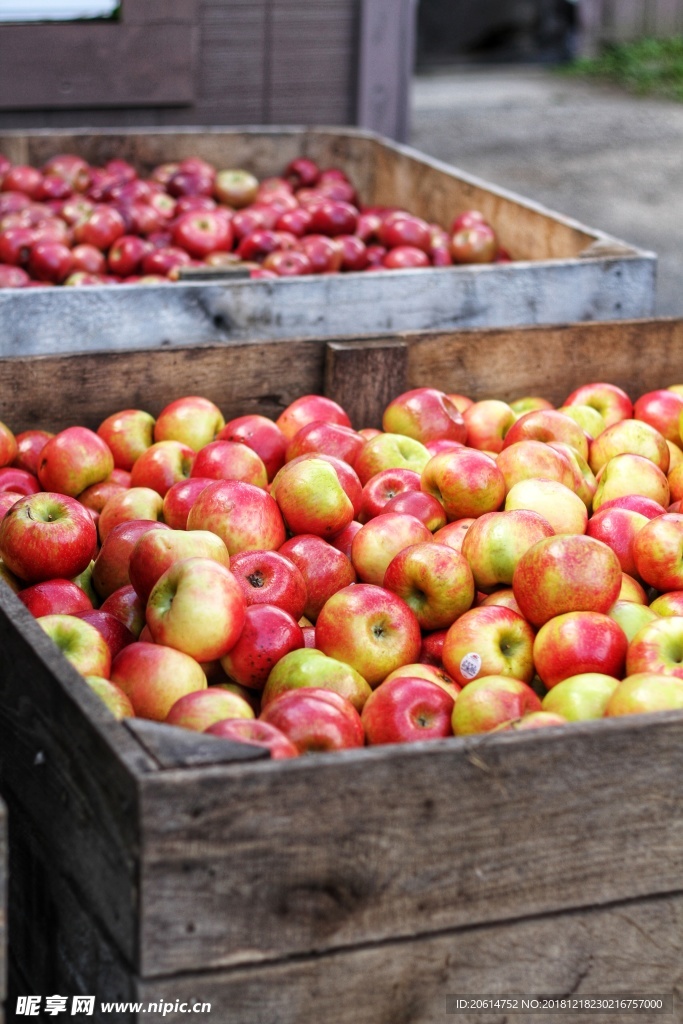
80,65
72,766
633,945
385,65
244,865
244,378
179,748
638,356
364,377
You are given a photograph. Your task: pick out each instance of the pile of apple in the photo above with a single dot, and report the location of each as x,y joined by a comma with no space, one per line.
306,586
72,223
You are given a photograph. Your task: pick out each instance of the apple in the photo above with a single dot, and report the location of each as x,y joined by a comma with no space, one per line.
203,708
126,255
558,505
162,465
475,244
54,597
201,232
567,573
637,503
112,563
645,691
491,701
494,543
325,569
634,437
47,536
154,677
80,643
29,444
618,528
405,709
74,459
547,425
270,577
115,632
268,635
390,451
13,277
433,579
467,482
487,422
18,481
370,629
316,720
235,187
578,642
379,540
400,228
382,487
112,695
309,667
179,499
631,590
50,261
101,227
531,720
453,533
245,517
255,733
658,552
155,551
532,459
307,408
128,434
657,647
311,498
196,606
326,438
585,484
229,460
425,414
611,401
420,505
581,697
261,435
192,420
631,616
127,505
668,604
489,640
588,418
662,410
125,605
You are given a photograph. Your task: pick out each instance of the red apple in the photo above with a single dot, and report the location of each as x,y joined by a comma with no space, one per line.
256,733
74,459
244,516
491,701
80,643
126,505
270,577
307,409
466,481
154,677
489,640
658,552
425,414
114,631
54,597
47,536
201,709
155,551
179,499
316,720
407,709
324,568
579,642
112,563
261,435
434,580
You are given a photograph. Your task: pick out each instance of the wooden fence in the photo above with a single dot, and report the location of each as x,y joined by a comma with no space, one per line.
619,21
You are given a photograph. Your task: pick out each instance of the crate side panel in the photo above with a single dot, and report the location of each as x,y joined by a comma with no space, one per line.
126,317
313,856
261,378
638,356
71,767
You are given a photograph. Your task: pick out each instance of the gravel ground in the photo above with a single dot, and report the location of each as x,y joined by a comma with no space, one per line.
610,160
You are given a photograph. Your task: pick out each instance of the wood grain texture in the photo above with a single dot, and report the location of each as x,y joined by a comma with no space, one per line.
363,377
70,765
179,748
75,64
633,945
279,860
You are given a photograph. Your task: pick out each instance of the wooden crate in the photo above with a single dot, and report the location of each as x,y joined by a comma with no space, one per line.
563,271
364,886
202,62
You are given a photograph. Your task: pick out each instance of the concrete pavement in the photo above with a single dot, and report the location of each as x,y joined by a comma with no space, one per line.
592,152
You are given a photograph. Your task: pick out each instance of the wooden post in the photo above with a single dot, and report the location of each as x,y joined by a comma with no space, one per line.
590,23
385,65
364,376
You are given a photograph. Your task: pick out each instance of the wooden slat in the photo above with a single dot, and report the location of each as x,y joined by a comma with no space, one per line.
385,67
86,65
230,74
173,747
258,378
71,765
364,377
627,946
153,12
398,842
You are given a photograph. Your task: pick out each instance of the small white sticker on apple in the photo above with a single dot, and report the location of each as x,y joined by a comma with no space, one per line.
470,665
